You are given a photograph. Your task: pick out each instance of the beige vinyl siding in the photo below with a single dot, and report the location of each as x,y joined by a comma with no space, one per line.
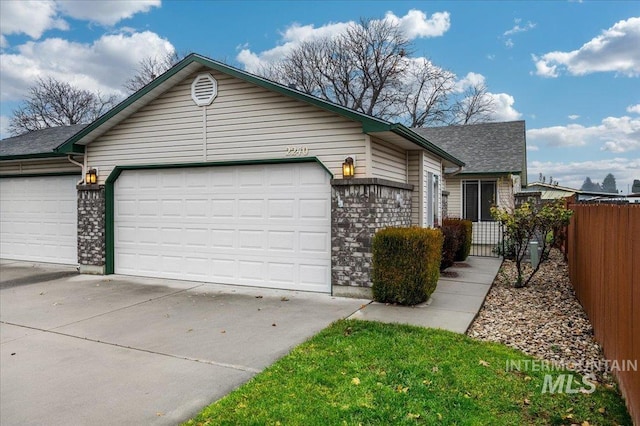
45,166
244,122
454,186
389,161
414,179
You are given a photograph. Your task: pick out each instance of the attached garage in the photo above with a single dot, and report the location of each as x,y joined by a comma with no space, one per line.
38,198
38,219
265,225
213,174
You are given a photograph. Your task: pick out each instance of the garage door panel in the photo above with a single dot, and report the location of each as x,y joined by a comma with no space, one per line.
249,225
38,219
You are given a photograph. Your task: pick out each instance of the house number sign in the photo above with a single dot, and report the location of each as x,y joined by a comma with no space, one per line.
297,151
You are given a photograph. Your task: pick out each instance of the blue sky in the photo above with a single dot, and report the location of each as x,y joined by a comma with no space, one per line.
570,69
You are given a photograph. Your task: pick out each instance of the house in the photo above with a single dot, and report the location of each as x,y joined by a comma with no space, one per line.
38,206
549,192
495,158
213,174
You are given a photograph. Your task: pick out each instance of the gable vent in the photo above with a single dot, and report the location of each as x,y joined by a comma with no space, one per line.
204,89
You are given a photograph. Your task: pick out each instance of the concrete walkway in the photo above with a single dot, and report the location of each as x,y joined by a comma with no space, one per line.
453,306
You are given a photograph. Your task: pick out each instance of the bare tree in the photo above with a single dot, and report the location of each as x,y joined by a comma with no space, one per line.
474,106
361,68
426,94
52,103
149,68
369,68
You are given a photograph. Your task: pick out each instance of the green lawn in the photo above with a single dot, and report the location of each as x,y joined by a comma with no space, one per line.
357,372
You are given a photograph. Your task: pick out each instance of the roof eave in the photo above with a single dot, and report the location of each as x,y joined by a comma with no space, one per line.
39,155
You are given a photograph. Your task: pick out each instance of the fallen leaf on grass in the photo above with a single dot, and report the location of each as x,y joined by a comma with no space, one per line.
435,369
483,363
402,389
439,416
355,381
526,401
601,410
413,416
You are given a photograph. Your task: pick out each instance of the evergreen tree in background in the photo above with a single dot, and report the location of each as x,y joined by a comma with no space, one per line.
609,184
588,185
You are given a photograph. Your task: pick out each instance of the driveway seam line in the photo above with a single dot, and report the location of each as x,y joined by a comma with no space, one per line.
186,358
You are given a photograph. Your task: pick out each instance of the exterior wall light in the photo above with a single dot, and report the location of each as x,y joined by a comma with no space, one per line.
91,177
348,168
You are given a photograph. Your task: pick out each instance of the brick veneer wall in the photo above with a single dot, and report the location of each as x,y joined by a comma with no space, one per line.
91,228
360,207
445,204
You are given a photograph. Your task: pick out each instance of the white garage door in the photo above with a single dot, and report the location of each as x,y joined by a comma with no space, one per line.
38,219
256,225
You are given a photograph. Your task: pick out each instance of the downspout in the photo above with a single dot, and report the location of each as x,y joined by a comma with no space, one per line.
83,166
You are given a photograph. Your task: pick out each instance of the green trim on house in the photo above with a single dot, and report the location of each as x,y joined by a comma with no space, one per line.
28,175
369,124
30,156
115,173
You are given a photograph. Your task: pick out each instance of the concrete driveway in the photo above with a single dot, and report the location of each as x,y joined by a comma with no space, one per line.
79,349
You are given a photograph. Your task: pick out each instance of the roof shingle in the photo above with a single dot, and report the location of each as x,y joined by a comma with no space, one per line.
38,142
485,148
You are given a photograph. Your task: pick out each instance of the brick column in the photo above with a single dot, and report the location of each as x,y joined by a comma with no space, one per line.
445,204
91,229
359,208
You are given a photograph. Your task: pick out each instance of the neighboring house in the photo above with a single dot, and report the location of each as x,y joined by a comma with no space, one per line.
496,164
213,174
554,192
38,206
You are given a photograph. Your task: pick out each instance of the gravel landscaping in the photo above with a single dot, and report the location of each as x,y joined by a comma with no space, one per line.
544,319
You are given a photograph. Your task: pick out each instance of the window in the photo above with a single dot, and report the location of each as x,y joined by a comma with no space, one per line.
477,198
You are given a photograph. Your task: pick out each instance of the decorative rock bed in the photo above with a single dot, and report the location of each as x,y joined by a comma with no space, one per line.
544,319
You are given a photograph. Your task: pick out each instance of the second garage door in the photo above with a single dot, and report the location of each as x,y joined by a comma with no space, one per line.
38,218
257,225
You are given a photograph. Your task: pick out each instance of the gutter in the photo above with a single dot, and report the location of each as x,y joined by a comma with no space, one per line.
455,172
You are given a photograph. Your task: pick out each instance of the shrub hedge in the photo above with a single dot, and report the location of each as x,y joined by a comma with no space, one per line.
406,264
453,238
466,233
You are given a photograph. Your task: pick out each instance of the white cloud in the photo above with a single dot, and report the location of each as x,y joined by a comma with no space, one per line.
615,134
572,174
105,12
573,117
509,43
532,148
32,18
103,65
415,24
615,50
502,102
469,80
503,107
634,109
519,29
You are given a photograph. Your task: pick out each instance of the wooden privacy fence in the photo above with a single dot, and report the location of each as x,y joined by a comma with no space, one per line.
603,250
